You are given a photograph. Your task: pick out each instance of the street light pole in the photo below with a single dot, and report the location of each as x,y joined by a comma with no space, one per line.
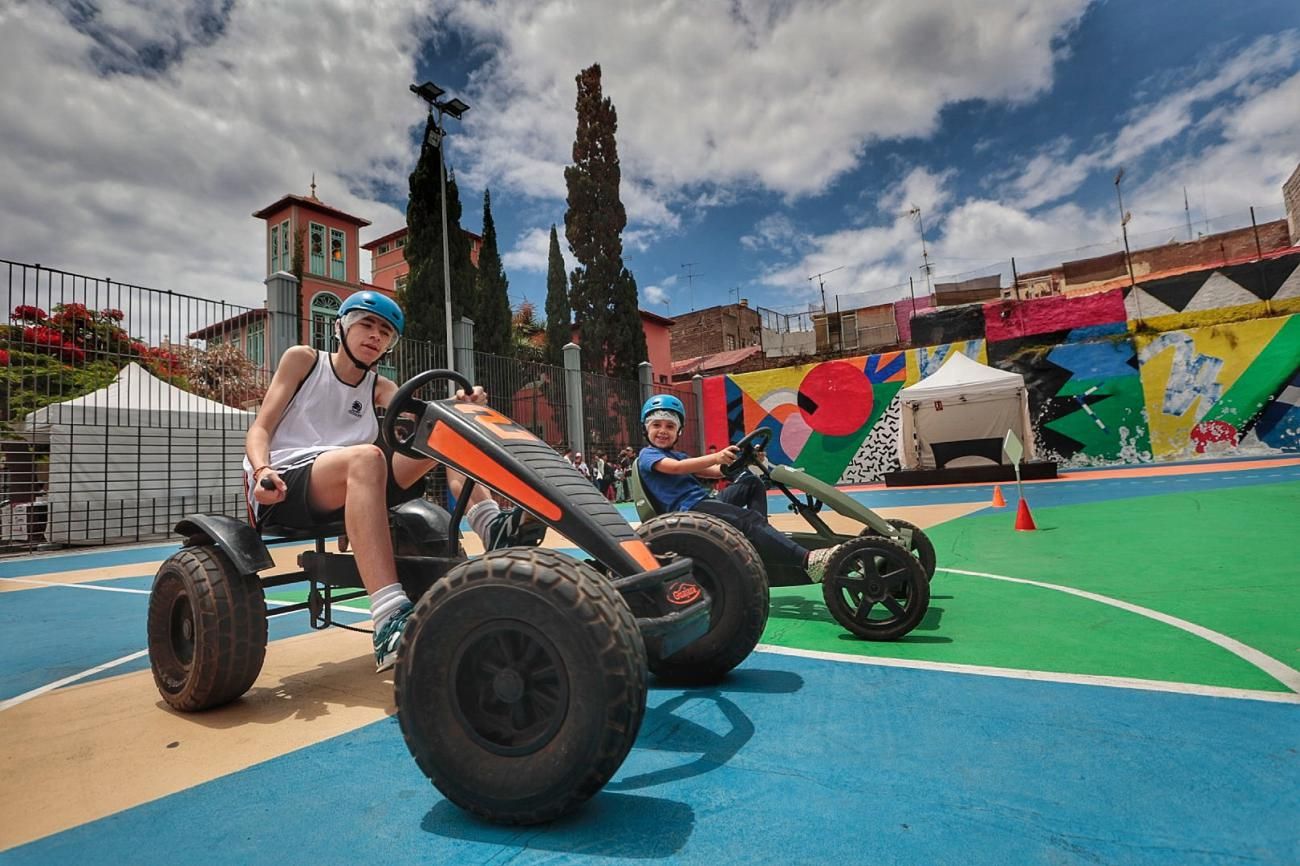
1124,217
431,93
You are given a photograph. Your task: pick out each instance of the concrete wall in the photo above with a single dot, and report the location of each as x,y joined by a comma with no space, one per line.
1103,389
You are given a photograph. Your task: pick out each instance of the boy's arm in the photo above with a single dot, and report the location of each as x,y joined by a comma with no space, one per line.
294,366
706,465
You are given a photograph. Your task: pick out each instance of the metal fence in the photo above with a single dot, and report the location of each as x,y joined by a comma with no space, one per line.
112,426
124,408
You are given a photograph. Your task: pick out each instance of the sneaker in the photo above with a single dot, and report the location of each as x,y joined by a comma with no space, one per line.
514,527
388,638
503,529
817,562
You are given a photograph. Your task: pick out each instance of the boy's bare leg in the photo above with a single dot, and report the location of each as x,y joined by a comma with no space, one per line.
356,478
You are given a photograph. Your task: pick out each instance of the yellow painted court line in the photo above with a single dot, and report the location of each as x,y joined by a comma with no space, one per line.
87,751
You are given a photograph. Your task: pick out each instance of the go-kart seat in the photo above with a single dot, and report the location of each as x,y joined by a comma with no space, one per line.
645,507
271,532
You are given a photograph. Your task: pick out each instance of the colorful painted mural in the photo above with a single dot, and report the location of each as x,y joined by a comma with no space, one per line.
1098,395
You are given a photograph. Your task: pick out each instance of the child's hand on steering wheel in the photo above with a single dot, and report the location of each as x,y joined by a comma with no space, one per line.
727,455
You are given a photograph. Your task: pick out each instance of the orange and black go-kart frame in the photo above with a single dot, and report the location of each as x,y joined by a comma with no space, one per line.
670,606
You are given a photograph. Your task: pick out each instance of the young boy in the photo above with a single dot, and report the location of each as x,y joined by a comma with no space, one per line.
311,456
668,477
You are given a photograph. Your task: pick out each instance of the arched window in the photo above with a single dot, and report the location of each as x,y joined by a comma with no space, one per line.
324,310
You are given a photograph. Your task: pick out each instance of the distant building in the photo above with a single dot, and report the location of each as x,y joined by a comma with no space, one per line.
715,329
388,267
861,329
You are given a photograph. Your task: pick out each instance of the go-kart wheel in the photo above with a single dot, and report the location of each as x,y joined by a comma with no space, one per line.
922,547
876,588
729,568
207,629
520,684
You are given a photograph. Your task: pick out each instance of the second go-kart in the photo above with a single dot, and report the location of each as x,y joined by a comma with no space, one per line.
877,585
521,680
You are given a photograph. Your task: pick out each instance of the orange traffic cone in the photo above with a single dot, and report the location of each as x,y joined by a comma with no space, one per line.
998,501
1024,520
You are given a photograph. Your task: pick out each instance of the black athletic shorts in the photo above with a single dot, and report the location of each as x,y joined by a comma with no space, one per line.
296,512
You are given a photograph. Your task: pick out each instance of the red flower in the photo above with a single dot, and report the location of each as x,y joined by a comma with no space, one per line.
72,312
112,314
27,313
4,358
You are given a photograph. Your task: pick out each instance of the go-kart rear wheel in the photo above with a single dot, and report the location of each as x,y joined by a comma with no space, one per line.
520,684
876,588
726,565
207,629
922,547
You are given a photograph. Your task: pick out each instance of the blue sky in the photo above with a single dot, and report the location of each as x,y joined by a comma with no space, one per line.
761,142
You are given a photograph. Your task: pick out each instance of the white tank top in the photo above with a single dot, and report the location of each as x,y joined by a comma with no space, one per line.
326,413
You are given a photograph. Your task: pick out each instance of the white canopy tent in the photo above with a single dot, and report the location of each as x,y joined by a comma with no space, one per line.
952,417
127,461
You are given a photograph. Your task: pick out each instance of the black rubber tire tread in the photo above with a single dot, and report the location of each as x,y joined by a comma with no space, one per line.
728,566
922,546
572,486
228,611
901,565
605,663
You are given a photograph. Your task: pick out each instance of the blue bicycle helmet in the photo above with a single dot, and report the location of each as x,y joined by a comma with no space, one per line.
665,403
381,305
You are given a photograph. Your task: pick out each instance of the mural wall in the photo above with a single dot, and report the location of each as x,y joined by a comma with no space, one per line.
1099,394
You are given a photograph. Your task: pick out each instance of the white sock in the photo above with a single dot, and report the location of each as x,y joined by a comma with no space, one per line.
480,518
386,602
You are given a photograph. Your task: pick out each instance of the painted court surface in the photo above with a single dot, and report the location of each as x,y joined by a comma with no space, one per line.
1119,686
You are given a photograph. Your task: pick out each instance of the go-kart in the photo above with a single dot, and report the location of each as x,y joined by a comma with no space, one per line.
520,682
877,585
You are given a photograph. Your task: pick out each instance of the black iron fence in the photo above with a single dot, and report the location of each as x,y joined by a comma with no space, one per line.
124,408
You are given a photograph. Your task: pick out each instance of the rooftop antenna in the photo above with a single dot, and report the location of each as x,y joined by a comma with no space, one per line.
925,255
1187,210
821,285
690,280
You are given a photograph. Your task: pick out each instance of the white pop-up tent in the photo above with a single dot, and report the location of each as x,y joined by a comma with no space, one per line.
960,415
127,461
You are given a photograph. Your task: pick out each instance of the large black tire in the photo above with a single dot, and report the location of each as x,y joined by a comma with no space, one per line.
922,547
876,588
728,566
520,684
207,629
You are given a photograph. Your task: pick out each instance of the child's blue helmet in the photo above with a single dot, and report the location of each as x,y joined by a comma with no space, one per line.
663,403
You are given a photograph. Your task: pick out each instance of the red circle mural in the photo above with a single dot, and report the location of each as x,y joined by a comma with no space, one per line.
835,398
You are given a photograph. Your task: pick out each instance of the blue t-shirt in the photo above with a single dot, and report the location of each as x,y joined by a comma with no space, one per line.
669,492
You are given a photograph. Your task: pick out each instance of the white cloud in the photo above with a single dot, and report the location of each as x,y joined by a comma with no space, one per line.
718,96
532,251
139,145
1053,174
655,295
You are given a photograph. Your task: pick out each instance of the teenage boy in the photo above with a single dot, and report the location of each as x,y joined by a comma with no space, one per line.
311,456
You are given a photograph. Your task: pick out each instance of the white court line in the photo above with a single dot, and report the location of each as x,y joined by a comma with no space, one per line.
1042,676
109,665
1286,675
49,687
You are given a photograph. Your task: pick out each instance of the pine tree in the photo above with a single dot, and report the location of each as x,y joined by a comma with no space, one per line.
422,300
492,317
593,225
559,318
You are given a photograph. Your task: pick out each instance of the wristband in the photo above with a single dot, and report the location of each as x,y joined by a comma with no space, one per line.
260,468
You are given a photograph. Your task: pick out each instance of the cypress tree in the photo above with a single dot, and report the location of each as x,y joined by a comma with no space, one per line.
422,300
593,225
492,325
559,318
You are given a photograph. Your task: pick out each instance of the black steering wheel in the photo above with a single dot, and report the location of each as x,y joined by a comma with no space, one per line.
748,447
404,401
